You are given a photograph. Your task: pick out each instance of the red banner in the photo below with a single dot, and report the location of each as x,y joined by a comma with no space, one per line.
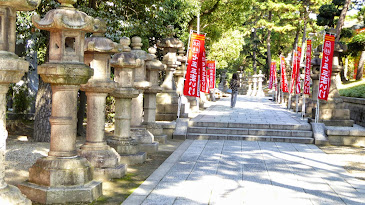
211,74
284,82
297,82
203,77
294,72
326,67
308,60
195,55
272,74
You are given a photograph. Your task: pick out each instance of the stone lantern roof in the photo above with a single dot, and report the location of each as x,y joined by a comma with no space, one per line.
154,66
66,18
125,61
170,43
99,43
21,5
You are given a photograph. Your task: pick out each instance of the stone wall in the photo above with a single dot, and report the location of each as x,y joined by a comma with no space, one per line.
357,109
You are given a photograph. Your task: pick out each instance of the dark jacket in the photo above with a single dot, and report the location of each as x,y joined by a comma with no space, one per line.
234,84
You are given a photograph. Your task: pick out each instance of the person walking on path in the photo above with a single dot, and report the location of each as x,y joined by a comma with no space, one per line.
233,85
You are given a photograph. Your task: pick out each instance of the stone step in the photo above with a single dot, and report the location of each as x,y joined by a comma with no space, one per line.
251,126
244,131
304,140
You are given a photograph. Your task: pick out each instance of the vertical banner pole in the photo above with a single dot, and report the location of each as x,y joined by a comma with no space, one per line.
319,79
198,31
303,106
186,63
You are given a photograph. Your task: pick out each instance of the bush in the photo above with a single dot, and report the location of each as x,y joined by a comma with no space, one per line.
356,92
20,97
110,109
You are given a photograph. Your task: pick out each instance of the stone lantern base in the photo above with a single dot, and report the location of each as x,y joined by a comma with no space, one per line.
333,113
145,140
105,161
61,180
128,150
11,195
157,131
167,105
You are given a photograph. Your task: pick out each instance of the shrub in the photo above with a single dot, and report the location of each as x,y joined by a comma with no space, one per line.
356,91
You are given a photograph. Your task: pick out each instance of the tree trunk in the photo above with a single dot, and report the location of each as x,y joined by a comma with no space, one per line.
268,41
254,53
341,20
81,114
360,68
92,4
42,126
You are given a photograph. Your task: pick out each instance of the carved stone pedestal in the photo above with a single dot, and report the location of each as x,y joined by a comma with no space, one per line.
62,176
12,68
145,138
167,100
153,67
104,159
124,63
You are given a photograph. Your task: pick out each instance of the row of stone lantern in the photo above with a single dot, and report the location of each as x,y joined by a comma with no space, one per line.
68,174
255,87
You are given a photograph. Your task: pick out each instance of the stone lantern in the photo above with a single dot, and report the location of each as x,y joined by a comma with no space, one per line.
333,112
260,79
249,82
167,100
153,67
12,68
316,64
138,132
124,63
106,160
254,81
62,176
179,78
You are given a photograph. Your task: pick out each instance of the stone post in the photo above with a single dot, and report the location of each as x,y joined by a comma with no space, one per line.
62,176
333,112
124,63
167,100
12,68
106,160
145,138
260,79
249,91
153,67
254,81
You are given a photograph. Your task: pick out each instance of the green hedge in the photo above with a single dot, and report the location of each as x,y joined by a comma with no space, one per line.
356,92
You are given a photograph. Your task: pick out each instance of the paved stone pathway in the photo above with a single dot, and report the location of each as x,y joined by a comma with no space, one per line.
249,110
249,172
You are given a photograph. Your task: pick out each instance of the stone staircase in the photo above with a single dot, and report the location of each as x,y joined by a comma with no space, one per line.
298,133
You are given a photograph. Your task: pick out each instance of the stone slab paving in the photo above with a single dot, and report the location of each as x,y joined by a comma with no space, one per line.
249,110
249,172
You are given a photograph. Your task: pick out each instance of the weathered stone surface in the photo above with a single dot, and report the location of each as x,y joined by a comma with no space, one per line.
124,63
63,176
181,128
320,137
12,68
169,96
103,158
59,195
357,109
